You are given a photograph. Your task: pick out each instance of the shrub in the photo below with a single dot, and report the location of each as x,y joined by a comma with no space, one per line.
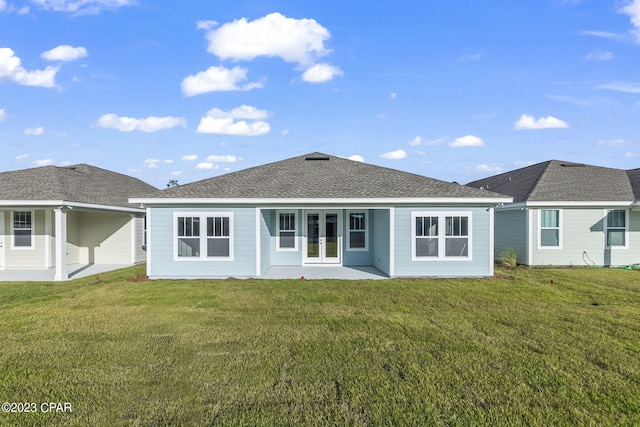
509,256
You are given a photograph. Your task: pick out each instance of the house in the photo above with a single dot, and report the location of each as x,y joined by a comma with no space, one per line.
52,217
319,210
567,213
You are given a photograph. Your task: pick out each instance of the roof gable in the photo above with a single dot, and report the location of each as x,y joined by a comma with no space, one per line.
78,183
559,181
320,176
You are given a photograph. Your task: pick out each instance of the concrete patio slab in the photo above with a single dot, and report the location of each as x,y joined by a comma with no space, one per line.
324,272
76,271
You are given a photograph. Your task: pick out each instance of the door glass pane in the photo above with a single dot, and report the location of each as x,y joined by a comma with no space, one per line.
331,234
313,236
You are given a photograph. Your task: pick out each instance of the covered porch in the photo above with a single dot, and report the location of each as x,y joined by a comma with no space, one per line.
75,271
319,273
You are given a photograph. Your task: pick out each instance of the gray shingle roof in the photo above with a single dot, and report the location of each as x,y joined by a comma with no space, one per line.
79,183
321,176
559,181
634,178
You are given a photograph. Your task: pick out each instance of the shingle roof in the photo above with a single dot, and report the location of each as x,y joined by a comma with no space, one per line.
559,181
79,183
634,178
321,176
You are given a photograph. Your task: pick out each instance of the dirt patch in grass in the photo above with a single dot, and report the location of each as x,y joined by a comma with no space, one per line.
140,277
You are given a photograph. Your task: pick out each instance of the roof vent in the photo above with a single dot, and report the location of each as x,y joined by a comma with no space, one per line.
312,158
572,165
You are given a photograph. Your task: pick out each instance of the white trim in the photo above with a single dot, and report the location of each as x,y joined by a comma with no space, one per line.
148,245
320,201
296,233
606,229
56,203
560,204
203,235
491,242
349,230
441,215
392,241
529,237
2,242
560,229
258,243
61,243
32,246
134,241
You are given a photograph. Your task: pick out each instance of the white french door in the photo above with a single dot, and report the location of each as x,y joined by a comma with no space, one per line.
322,237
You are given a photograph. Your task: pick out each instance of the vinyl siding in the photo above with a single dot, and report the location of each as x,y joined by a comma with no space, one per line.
30,258
379,235
356,257
583,231
478,265
511,232
284,257
266,224
140,253
163,264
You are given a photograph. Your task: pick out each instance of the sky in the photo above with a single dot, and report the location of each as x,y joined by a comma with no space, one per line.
186,90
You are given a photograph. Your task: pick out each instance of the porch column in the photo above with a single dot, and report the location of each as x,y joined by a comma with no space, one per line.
61,243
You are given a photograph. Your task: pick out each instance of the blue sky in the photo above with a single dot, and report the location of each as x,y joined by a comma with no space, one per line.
451,89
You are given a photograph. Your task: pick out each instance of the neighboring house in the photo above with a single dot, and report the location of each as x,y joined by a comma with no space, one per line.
319,210
567,213
56,216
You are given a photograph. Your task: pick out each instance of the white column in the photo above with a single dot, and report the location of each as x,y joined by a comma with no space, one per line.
61,243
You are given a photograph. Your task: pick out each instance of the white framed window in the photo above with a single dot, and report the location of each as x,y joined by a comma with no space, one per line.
616,229
358,236
550,229
22,230
287,239
203,236
443,236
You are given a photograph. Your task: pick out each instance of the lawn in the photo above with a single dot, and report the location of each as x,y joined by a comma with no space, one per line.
529,347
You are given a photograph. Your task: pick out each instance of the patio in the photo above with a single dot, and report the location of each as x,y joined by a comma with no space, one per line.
76,271
324,272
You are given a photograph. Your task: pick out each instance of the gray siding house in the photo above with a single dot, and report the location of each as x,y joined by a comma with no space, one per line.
319,210
53,217
567,213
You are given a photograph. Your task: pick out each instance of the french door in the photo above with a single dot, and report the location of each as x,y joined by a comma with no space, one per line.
323,239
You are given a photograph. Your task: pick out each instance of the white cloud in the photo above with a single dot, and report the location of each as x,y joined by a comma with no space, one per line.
622,86
599,55
223,159
206,165
418,140
3,5
65,53
603,34
34,131
43,162
168,161
393,95
216,79
320,73
176,173
357,158
11,68
632,9
611,142
471,57
150,124
225,122
467,141
630,155
80,7
284,132
3,114
22,157
293,40
151,163
190,157
394,155
527,121
489,168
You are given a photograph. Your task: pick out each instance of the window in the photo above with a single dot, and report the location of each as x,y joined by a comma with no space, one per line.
287,231
22,229
204,236
441,236
616,229
358,238
549,226
456,241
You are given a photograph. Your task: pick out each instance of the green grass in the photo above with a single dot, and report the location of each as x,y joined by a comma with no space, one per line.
514,350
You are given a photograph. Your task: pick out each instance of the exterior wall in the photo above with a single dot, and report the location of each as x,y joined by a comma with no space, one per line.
140,254
105,238
479,264
379,240
26,258
511,232
266,226
285,257
357,257
582,231
161,241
